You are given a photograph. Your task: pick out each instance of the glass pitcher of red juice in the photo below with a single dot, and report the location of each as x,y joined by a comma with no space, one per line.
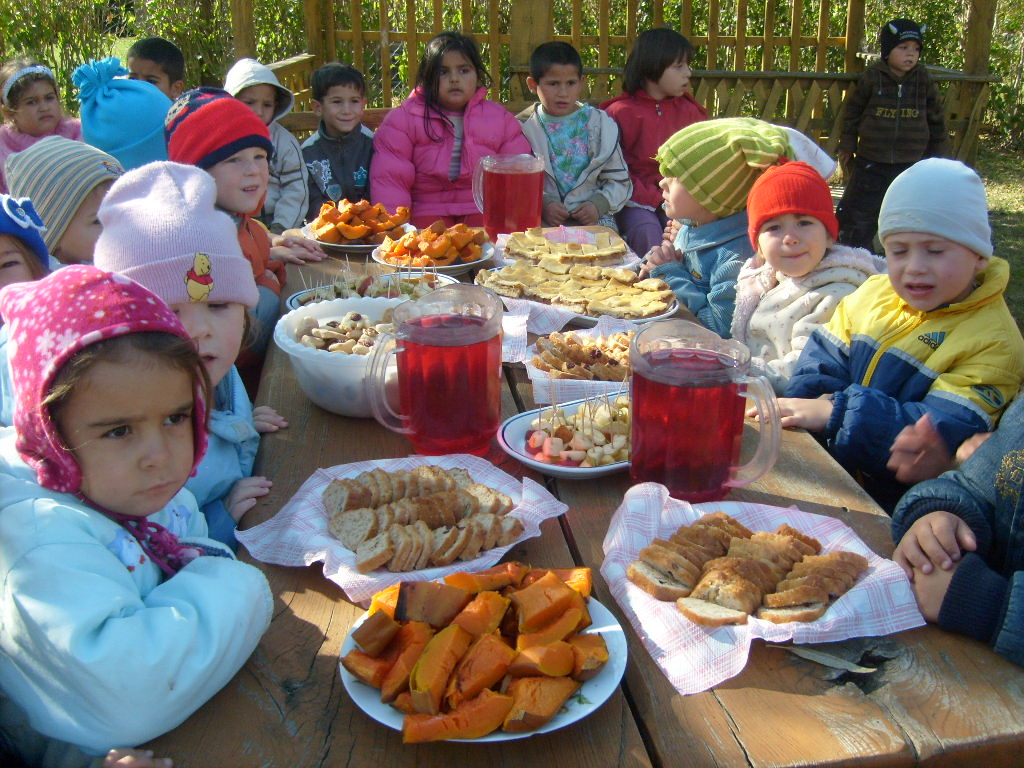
688,392
448,347
509,191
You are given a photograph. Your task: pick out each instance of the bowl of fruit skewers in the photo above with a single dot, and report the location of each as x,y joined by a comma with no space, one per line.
391,285
576,440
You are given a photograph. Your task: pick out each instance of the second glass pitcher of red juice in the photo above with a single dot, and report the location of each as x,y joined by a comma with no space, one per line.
509,191
689,393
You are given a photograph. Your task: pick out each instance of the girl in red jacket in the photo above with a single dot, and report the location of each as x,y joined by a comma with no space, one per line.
655,103
426,149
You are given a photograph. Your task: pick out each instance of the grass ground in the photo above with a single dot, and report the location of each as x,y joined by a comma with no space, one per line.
1003,173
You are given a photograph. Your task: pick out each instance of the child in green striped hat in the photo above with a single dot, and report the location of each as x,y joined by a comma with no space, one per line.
708,169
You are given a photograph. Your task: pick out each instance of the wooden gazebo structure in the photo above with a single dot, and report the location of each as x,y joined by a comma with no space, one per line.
760,65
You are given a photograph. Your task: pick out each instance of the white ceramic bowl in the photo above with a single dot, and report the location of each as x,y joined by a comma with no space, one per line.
332,380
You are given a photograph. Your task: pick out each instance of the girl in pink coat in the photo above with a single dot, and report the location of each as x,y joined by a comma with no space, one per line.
425,151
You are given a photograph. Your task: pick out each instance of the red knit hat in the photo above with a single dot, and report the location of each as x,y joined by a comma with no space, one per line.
790,188
207,125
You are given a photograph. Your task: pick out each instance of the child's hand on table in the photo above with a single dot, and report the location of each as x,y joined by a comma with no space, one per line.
555,213
586,214
933,542
266,419
297,250
930,590
135,758
919,452
658,255
811,414
244,493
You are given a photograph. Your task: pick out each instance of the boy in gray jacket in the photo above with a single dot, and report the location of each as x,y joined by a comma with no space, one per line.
586,180
256,86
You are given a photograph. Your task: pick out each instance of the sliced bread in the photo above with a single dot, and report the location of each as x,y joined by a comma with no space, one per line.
709,614
809,612
374,553
354,527
659,585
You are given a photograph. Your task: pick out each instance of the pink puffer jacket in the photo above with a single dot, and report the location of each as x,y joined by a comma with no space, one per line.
410,168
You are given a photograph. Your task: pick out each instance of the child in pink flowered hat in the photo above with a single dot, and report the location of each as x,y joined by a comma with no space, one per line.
109,574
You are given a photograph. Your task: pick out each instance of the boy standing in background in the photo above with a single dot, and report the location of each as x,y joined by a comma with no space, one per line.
586,180
338,155
893,119
256,86
159,62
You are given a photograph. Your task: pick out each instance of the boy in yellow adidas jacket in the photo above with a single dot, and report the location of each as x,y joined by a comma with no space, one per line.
933,336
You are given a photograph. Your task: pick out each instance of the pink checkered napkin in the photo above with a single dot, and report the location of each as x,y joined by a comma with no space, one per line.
696,658
549,390
297,535
513,341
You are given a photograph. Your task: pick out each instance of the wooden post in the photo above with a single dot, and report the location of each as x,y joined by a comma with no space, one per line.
977,50
313,18
854,34
537,23
242,28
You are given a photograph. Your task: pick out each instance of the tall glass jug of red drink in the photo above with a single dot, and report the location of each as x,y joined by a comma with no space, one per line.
688,392
448,346
509,191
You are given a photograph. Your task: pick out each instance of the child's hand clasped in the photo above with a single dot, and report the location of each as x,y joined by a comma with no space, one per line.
297,250
658,255
555,214
802,413
586,214
936,540
266,419
244,494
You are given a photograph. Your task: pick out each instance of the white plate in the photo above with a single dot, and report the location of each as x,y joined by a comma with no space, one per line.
362,249
293,301
452,269
512,439
591,695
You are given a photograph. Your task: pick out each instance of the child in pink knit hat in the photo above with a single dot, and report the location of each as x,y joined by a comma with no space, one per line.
109,573
161,229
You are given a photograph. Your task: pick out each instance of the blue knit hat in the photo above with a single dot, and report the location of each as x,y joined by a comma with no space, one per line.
19,220
122,117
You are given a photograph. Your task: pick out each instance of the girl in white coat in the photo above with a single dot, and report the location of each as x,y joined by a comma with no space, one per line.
119,617
797,275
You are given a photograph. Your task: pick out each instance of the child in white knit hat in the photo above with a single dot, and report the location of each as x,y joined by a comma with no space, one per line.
933,337
161,229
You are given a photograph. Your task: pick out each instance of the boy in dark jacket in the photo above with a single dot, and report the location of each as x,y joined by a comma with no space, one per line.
893,119
959,542
338,155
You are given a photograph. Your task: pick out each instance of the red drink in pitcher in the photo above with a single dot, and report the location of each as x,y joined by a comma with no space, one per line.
686,436
512,201
449,386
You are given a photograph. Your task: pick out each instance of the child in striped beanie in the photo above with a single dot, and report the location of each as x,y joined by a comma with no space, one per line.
66,181
708,169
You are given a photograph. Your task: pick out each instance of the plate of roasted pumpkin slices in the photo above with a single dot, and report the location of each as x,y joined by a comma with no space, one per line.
494,655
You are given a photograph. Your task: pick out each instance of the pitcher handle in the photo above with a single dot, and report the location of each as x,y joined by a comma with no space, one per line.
375,384
770,431
478,185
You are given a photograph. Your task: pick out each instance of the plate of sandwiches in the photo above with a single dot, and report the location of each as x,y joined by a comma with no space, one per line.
586,291
430,516
586,246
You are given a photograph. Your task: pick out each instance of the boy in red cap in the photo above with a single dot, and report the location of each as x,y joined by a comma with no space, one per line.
797,275
208,128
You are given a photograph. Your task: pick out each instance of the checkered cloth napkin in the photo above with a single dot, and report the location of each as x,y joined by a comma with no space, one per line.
696,658
297,535
549,390
513,340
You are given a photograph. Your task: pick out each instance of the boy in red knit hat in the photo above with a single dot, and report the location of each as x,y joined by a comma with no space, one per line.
208,128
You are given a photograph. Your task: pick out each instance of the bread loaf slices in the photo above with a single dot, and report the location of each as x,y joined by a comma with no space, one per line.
354,527
810,612
709,614
375,552
654,582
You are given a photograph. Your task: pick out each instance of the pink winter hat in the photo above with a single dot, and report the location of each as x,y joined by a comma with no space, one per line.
161,229
49,321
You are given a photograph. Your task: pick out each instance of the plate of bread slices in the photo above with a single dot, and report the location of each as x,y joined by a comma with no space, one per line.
375,523
495,655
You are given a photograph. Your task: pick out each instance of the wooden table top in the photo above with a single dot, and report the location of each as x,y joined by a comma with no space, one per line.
935,699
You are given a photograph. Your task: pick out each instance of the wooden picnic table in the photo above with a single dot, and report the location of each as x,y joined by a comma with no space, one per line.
935,699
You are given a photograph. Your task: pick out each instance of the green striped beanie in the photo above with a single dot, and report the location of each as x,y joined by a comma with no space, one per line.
58,174
719,160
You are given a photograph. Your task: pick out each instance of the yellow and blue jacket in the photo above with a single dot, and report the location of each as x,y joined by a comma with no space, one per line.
887,364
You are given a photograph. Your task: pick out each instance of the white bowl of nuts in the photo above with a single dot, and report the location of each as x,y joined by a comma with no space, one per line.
328,343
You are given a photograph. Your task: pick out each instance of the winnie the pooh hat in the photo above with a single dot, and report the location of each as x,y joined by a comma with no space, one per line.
161,229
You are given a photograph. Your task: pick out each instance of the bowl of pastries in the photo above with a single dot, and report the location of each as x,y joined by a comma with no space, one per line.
329,343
